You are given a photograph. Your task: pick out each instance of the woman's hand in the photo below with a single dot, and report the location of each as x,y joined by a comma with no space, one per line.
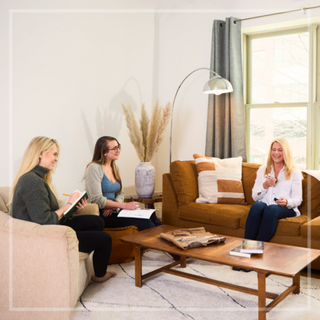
107,212
132,205
74,196
282,202
269,183
81,205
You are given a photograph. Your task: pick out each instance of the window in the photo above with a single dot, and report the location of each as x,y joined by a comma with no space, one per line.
278,91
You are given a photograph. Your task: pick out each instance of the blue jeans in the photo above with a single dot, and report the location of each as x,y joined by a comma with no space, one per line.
262,220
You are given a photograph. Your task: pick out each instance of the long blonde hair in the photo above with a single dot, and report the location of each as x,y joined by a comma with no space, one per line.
287,158
30,160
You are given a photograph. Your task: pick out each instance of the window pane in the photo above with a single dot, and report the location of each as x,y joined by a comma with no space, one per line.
280,68
269,124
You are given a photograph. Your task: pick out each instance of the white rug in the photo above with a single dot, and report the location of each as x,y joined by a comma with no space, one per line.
165,296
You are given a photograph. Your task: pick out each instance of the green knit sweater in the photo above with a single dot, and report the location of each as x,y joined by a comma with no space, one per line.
33,199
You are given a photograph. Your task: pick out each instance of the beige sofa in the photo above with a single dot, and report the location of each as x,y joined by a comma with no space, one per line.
180,190
42,272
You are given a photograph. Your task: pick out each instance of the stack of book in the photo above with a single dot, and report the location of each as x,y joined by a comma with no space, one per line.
248,248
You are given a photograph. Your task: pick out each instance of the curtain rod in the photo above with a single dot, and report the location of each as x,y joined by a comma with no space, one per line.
273,14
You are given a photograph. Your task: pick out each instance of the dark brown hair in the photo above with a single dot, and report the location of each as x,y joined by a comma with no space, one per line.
100,149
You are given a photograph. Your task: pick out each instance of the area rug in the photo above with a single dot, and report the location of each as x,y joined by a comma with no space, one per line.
165,296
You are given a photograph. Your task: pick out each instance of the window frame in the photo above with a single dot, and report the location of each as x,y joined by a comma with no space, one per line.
312,105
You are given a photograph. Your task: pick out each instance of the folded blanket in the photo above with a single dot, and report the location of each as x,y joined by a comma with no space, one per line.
192,237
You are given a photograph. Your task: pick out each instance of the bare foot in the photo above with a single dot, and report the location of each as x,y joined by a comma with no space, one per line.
107,276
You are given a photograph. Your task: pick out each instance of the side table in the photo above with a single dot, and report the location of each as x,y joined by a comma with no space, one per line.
148,202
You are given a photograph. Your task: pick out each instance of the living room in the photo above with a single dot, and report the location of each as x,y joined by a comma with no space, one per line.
68,66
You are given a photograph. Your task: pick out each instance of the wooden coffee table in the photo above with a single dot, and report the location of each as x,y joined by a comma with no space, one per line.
277,259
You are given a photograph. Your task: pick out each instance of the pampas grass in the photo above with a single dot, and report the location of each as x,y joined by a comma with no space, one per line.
147,139
134,132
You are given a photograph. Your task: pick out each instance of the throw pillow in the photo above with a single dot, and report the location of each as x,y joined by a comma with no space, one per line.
219,180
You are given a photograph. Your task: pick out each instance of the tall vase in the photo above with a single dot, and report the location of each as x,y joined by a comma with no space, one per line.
145,179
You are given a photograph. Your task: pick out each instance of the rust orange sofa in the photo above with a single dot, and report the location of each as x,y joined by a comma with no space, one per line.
180,190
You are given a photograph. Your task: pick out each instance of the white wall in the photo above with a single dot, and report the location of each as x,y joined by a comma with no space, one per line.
69,73
66,67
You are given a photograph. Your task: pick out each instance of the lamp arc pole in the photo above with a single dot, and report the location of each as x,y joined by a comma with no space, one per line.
174,100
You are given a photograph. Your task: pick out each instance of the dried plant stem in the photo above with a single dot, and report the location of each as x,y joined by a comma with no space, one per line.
166,116
144,127
153,132
134,132
147,139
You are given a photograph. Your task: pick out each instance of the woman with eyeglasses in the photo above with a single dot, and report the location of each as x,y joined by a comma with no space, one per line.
35,200
104,187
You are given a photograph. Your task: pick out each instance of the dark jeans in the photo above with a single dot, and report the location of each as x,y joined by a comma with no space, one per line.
262,220
113,221
91,238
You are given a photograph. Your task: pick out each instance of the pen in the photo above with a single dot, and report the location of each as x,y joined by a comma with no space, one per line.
132,199
67,195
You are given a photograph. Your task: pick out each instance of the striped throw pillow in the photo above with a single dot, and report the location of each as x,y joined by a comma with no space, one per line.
219,180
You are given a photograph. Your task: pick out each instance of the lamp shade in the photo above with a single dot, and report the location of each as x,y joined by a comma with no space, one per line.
217,85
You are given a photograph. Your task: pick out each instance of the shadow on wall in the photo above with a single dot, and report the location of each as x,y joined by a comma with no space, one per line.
109,122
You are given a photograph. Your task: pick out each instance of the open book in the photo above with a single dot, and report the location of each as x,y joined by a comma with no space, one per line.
73,208
138,213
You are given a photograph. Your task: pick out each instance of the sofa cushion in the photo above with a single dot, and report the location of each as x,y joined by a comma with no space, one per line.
5,193
287,226
249,174
226,215
184,178
291,226
219,180
310,205
4,199
311,229
3,206
83,255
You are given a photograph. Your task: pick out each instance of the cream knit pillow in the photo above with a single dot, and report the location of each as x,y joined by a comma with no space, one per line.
219,180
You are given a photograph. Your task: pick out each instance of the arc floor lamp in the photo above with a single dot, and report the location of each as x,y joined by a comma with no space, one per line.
215,85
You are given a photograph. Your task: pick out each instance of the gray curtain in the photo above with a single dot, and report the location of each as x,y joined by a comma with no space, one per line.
226,113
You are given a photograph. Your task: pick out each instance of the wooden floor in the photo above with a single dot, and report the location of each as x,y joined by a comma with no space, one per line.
311,272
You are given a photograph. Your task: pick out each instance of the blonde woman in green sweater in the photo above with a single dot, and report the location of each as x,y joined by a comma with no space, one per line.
34,199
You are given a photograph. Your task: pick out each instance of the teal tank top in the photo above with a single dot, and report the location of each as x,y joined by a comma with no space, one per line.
109,189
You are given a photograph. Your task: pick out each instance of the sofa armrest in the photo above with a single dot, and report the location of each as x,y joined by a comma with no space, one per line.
184,177
39,265
169,201
311,229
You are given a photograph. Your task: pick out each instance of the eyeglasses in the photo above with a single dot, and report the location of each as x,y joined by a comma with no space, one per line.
116,148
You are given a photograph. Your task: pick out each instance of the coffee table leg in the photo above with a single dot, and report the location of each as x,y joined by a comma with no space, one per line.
296,280
138,266
262,296
183,263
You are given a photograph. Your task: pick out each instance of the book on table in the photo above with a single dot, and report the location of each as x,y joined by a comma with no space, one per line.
236,252
73,207
251,246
